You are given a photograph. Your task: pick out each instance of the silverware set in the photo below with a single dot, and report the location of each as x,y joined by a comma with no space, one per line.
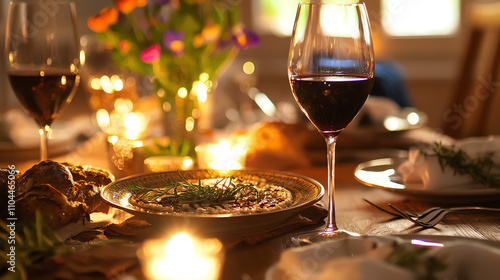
430,217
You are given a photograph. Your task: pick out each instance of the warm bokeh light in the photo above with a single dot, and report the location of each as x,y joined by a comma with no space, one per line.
160,93
123,106
265,104
188,162
248,68
95,84
117,83
166,106
196,113
189,124
204,77
113,139
82,57
413,118
182,92
102,117
200,90
107,84
133,125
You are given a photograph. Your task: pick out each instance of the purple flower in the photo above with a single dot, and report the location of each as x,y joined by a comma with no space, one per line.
151,54
245,39
173,41
174,3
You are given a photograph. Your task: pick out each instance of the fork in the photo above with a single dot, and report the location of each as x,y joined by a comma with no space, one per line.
429,217
409,213
432,216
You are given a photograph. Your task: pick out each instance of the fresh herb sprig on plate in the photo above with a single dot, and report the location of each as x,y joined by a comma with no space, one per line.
482,169
417,261
184,192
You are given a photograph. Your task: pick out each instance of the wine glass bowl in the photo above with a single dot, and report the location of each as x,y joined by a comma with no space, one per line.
42,52
331,72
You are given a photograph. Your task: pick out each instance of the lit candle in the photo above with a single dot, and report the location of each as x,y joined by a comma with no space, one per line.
182,258
223,155
168,163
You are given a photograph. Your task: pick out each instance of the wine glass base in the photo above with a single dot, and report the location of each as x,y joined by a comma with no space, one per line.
313,237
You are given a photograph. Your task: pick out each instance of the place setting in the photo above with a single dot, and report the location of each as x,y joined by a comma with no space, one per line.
214,140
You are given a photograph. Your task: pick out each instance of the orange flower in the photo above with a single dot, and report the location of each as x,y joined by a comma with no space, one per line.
126,6
211,32
141,3
124,46
101,22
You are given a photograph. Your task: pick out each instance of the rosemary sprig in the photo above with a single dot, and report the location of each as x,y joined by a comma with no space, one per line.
183,192
34,242
481,169
415,259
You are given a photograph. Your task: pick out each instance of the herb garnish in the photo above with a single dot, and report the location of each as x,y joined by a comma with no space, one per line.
184,192
481,169
415,259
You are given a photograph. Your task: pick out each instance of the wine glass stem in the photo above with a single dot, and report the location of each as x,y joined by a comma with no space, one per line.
44,137
331,142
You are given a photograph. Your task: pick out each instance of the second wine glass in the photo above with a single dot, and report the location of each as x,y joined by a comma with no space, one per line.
331,72
42,52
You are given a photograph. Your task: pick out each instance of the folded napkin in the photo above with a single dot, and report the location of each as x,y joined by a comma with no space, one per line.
374,258
427,170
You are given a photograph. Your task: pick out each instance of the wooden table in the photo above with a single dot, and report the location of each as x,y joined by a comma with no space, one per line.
353,214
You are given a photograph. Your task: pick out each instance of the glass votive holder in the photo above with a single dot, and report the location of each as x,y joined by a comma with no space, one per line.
168,163
181,257
125,156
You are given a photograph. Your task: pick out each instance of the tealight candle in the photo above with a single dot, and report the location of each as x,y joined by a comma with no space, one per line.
168,163
182,258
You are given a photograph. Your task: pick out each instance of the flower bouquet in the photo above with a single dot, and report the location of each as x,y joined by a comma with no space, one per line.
181,44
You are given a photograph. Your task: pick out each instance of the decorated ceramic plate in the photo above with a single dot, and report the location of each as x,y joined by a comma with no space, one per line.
302,191
383,174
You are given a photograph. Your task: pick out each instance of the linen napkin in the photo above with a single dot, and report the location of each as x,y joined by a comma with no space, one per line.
426,169
372,258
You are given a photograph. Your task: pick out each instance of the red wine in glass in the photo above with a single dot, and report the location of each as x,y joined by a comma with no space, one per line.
43,94
331,102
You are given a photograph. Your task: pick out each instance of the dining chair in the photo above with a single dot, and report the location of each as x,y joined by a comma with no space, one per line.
474,108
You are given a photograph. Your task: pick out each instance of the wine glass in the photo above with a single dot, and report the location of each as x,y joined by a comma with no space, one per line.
42,52
331,71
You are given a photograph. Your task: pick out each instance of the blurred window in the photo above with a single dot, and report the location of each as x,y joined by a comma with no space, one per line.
277,16
420,18
400,18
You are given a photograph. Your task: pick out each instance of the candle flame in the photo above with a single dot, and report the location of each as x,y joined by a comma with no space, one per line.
223,155
183,260
133,125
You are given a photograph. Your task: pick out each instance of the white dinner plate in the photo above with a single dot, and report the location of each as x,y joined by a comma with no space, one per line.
383,174
305,192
